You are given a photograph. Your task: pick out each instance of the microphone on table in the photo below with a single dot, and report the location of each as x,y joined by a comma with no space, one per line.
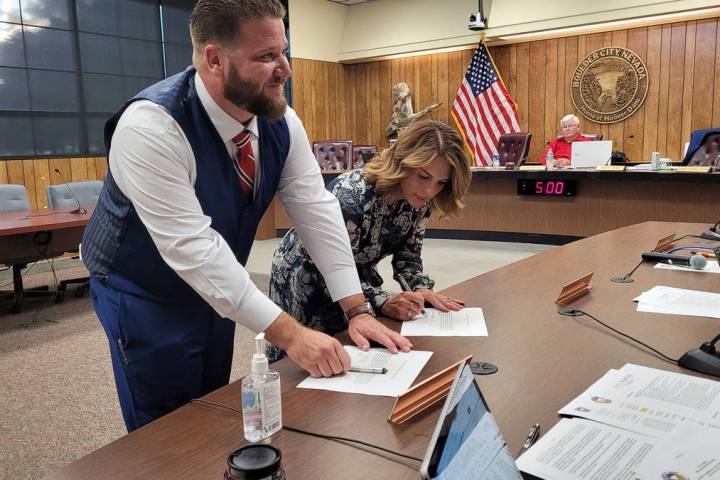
696,261
705,359
80,210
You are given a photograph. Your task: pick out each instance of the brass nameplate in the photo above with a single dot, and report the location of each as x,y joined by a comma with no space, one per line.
694,169
610,168
425,394
532,168
664,243
574,290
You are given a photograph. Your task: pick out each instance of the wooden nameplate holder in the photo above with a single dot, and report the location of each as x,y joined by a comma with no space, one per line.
685,169
574,290
425,394
664,243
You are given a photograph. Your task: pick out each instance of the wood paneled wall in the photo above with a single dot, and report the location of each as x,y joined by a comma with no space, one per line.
683,59
354,102
39,173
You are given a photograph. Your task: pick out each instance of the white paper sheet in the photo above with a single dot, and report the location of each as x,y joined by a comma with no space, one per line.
468,322
403,369
711,267
578,449
649,401
679,301
688,454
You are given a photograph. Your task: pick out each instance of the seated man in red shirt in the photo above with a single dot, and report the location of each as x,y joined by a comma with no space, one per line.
562,145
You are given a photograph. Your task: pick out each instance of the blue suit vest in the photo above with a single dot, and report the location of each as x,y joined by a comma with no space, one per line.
117,243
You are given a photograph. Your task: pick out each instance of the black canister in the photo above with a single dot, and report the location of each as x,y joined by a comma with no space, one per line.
255,462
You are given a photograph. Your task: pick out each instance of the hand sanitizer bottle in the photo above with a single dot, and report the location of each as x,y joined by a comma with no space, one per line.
549,160
262,411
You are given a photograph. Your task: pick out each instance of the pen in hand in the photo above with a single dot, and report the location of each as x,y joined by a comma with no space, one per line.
380,370
406,288
531,438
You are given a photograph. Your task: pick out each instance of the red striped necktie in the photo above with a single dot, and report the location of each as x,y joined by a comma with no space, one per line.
245,162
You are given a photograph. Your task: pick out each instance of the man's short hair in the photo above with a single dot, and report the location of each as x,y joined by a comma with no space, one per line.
220,20
570,118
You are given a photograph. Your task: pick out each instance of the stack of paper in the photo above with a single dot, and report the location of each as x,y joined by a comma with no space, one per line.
678,301
637,423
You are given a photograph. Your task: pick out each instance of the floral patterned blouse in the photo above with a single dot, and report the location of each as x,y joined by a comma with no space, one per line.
377,229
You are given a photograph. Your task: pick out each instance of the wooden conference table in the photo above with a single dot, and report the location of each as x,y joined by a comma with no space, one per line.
544,361
30,235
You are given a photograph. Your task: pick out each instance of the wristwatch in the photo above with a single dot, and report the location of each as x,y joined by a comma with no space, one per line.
359,310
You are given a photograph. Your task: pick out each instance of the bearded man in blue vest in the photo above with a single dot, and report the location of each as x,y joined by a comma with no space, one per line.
194,161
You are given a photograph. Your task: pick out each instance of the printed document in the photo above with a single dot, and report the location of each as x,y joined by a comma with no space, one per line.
679,301
403,368
688,454
468,322
580,449
649,401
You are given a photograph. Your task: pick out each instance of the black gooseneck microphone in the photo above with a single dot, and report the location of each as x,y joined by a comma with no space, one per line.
712,233
80,210
705,359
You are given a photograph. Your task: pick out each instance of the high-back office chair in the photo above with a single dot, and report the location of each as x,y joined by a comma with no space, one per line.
87,193
362,154
14,198
704,149
514,148
593,136
60,195
333,154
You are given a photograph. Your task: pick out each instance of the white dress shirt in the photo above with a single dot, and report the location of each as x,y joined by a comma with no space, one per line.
154,166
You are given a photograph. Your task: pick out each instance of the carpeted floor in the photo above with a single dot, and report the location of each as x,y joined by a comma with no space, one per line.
57,394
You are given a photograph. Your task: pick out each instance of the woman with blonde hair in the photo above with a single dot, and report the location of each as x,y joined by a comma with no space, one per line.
386,207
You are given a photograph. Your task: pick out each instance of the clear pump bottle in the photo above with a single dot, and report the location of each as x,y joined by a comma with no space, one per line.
262,409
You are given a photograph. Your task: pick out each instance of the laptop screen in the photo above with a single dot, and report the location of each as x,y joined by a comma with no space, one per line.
467,442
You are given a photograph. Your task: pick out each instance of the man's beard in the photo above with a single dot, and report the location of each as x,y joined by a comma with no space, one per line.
243,94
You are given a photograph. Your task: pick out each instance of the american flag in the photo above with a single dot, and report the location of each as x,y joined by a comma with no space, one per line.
483,110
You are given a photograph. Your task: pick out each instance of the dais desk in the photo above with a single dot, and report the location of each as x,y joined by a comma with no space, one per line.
544,361
605,201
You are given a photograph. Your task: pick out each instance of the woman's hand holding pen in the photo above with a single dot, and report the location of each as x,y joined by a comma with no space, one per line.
439,301
404,306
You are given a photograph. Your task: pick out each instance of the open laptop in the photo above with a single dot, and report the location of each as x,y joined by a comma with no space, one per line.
591,154
467,443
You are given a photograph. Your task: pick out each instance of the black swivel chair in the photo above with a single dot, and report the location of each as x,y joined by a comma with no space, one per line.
87,193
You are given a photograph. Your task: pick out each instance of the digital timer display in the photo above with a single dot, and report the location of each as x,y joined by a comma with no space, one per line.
547,187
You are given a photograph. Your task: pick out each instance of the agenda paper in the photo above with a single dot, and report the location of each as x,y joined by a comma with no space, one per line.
403,368
649,401
468,322
578,449
679,301
687,454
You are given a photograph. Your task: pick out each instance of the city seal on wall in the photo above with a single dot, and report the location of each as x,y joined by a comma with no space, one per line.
609,85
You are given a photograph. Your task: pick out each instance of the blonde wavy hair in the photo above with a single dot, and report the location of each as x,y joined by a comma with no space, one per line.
417,147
